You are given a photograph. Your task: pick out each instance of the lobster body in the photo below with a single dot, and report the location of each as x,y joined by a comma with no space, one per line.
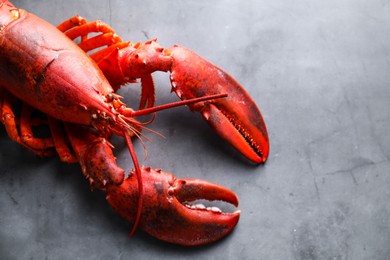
42,67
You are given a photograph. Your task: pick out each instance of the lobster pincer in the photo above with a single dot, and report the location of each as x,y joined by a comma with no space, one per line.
167,214
236,118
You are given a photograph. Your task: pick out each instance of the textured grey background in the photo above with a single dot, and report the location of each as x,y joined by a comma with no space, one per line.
319,70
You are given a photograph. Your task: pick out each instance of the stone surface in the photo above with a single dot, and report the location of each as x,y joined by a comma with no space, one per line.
319,71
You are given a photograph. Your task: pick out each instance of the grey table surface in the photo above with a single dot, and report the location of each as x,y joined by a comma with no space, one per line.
319,71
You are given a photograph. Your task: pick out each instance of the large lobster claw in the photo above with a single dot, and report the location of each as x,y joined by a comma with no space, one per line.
235,118
166,214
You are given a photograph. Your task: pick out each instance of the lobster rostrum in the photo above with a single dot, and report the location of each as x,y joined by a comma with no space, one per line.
53,75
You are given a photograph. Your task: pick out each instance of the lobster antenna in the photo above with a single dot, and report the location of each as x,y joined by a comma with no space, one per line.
147,111
139,179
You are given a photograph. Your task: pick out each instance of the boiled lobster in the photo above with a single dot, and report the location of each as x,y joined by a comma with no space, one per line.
46,70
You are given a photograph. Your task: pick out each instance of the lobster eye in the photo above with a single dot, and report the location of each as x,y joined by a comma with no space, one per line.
109,97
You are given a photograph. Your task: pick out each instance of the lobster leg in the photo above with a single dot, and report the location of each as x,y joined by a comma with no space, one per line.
166,213
14,125
61,143
75,21
77,26
19,129
26,133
